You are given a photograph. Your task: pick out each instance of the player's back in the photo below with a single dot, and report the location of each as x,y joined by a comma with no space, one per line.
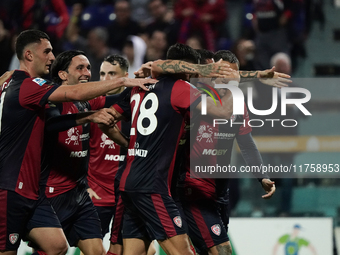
157,118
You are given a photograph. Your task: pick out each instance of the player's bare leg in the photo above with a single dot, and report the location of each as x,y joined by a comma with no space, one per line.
176,245
50,240
93,246
115,249
221,249
135,246
152,249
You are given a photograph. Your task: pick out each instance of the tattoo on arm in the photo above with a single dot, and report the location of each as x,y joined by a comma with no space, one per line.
224,249
248,74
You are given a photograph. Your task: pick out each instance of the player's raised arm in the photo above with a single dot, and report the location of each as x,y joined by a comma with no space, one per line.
90,90
218,69
268,77
5,76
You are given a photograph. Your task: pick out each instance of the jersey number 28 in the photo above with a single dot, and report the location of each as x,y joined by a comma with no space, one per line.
144,113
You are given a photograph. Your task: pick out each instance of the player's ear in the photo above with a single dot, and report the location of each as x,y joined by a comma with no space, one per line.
126,74
28,55
62,75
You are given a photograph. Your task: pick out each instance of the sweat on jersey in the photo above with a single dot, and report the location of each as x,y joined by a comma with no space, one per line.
157,121
22,120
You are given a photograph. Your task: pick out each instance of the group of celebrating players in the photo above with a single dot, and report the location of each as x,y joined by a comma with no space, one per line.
69,165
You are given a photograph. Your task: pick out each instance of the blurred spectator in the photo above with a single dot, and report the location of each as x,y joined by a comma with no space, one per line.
49,16
140,12
162,20
270,23
122,26
200,15
134,50
195,42
6,52
244,51
157,46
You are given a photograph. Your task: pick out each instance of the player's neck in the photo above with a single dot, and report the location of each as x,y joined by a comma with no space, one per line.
28,69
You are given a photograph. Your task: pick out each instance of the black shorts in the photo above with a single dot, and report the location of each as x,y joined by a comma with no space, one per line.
105,214
77,215
19,215
150,216
207,222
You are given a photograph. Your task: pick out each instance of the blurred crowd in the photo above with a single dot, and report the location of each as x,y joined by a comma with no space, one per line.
142,30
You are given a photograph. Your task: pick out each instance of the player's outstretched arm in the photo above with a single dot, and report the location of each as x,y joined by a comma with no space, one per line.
252,157
217,69
268,77
90,90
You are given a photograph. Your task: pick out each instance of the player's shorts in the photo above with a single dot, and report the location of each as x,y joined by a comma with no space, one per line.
19,215
207,222
150,216
117,223
77,215
105,214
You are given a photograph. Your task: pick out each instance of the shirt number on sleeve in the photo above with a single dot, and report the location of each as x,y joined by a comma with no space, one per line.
145,113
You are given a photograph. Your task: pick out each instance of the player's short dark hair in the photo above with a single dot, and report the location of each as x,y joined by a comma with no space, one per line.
226,55
205,55
62,62
183,52
27,37
114,59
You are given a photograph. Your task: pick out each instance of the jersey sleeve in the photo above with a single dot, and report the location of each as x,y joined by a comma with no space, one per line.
97,103
34,92
184,95
245,129
123,106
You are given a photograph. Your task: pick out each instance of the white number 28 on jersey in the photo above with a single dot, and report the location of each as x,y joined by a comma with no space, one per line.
144,113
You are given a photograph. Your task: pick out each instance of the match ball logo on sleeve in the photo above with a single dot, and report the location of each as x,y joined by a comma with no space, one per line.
178,221
216,229
13,238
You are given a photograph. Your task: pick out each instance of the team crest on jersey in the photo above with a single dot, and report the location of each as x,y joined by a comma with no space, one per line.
178,221
73,136
205,132
216,229
13,238
107,141
39,81
233,117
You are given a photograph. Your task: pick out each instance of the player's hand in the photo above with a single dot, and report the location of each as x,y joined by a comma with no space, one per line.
269,187
218,69
93,194
144,71
275,79
103,116
138,83
5,76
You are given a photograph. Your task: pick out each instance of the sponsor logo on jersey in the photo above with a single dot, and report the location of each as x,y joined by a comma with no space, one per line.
107,141
205,133
114,157
216,229
138,152
223,135
73,135
39,81
178,221
78,154
13,238
214,152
